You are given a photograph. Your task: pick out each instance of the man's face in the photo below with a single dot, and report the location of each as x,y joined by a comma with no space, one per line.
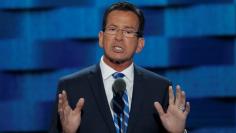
118,47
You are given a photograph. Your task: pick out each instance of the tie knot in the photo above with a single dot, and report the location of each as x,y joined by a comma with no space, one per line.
117,75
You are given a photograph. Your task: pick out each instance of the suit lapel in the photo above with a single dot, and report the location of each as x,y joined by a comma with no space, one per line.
136,99
96,82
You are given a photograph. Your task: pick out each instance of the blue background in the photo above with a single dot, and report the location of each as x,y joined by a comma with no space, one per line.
192,42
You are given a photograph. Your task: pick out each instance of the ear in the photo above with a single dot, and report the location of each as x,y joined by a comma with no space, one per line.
140,46
100,39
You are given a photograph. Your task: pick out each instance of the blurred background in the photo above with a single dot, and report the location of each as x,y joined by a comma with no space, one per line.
192,42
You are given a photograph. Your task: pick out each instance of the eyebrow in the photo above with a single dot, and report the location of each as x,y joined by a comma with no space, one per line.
126,27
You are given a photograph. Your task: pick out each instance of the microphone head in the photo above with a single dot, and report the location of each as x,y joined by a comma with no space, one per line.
118,87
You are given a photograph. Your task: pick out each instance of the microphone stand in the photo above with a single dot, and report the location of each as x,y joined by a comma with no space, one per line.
119,122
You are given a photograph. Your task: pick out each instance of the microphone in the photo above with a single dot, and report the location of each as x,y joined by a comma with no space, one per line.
118,89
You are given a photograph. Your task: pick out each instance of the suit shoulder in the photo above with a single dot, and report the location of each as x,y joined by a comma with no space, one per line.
79,74
151,75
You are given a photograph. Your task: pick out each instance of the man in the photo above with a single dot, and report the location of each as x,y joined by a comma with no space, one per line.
86,99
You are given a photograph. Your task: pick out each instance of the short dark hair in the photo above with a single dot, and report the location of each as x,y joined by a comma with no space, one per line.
125,6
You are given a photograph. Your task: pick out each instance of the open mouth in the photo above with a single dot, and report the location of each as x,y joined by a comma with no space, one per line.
117,49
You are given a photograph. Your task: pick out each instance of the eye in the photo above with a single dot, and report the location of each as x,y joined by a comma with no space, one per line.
128,32
112,29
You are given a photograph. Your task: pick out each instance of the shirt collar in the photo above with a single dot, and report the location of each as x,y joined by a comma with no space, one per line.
107,71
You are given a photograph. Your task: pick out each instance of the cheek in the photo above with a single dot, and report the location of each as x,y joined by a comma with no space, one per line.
132,46
107,41
107,45
130,51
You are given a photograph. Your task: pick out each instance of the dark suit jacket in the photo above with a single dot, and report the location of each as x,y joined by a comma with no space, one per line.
96,116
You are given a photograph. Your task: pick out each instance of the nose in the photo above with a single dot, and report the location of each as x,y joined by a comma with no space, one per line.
119,34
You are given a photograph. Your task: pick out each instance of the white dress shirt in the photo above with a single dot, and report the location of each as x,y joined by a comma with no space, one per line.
108,80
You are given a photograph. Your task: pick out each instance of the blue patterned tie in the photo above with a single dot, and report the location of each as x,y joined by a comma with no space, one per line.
124,117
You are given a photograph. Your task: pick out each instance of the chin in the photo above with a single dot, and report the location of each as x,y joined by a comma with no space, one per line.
119,60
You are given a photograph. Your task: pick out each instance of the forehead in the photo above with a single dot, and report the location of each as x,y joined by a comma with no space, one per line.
122,19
